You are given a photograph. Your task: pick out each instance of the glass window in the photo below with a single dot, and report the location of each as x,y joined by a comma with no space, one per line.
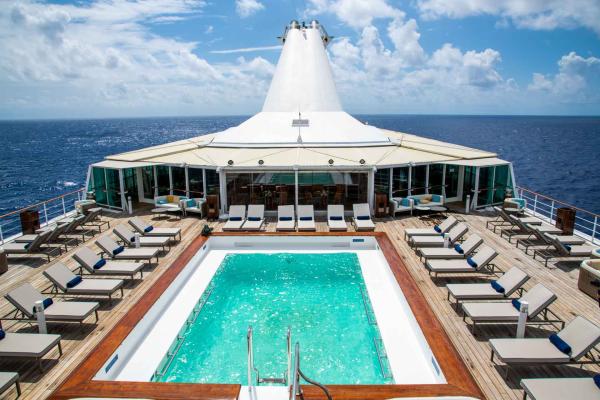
418,179
98,182
400,182
113,186
500,183
436,176
382,181
178,176
270,189
452,176
469,183
162,177
486,186
323,188
148,182
212,182
130,182
196,182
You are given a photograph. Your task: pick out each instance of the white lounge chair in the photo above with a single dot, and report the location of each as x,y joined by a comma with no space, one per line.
561,250
480,262
149,230
96,265
127,236
538,297
67,282
362,217
571,345
455,234
7,379
511,281
256,217
29,345
33,248
335,218
306,218
435,230
116,252
237,217
561,388
285,218
458,251
25,296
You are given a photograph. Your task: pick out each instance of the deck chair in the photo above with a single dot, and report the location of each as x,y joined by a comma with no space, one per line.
93,219
29,346
435,230
306,218
561,250
335,218
285,218
237,217
561,388
502,219
36,247
65,281
458,251
25,296
74,229
53,238
116,252
455,234
510,282
7,379
256,217
362,217
538,297
148,230
574,344
479,263
96,265
128,238
519,228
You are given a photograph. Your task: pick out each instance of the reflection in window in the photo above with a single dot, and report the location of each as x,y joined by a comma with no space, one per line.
382,181
162,177
178,176
436,176
196,183
270,189
418,179
400,182
323,188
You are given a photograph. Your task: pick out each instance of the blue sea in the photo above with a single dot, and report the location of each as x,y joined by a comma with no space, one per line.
555,156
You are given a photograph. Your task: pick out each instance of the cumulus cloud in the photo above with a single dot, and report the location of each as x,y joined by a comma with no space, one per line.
531,14
102,57
355,13
246,8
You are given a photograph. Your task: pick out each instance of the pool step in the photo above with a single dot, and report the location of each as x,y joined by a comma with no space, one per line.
282,381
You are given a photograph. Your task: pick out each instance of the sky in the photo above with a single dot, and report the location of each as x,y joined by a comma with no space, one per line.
117,58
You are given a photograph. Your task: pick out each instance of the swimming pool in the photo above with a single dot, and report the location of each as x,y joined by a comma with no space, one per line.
320,297
384,340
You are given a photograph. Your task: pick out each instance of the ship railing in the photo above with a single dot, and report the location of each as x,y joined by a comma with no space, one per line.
49,211
586,222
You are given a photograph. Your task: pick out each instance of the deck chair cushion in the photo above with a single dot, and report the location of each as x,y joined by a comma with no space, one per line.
459,249
306,218
336,218
581,335
74,282
149,228
471,262
2,334
99,264
363,218
497,287
285,218
560,344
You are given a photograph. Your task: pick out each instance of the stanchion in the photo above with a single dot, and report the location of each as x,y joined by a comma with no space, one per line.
41,317
523,311
137,240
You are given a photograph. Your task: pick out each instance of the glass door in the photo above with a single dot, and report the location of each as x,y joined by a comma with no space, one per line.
486,186
99,185
130,182
501,182
147,182
113,186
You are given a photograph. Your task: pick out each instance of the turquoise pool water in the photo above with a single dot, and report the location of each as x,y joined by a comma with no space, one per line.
317,295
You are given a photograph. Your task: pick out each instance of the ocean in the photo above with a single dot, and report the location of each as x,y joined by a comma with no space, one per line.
554,156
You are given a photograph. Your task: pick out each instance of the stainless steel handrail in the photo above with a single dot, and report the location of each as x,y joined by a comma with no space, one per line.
289,355
295,386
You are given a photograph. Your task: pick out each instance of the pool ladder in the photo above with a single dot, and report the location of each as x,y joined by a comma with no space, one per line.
252,370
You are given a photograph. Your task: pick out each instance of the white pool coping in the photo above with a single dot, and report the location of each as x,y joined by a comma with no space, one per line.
409,356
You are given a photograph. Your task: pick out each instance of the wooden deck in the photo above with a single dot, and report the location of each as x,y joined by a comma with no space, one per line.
475,351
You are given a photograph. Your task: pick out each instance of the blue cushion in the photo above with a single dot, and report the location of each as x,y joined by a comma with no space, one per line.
27,246
74,282
363,217
148,229
597,380
471,262
132,239
416,201
2,334
436,198
254,218
235,218
101,263
560,344
459,249
118,250
46,303
516,304
336,218
437,229
190,203
285,218
568,247
161,202
497,287
405,202
306,218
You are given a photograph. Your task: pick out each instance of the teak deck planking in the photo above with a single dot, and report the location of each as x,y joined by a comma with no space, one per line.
474,350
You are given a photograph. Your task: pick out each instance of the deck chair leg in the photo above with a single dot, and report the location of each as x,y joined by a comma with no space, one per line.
60,352
110,299
18,387
122,293
96,314
39,363
492,356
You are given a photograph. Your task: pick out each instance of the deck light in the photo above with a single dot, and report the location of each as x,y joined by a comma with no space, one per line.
260,162
362,161
230,162
331,161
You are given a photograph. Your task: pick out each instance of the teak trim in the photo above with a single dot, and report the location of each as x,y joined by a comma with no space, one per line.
80,382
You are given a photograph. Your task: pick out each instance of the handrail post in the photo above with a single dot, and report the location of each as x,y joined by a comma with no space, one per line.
1,235
593,229
45,213
552,210
64,208
535,200
289,355
250,362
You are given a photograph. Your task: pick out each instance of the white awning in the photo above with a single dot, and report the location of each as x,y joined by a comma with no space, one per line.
479,162
121,164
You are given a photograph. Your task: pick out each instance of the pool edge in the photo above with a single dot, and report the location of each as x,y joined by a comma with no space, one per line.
460,382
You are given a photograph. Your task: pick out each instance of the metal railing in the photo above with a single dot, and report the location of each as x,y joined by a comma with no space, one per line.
49,211
544,207
295,389
252,370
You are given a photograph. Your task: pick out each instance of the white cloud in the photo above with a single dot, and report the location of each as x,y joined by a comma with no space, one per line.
531,14
247,50
246,8
355,13
102,59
